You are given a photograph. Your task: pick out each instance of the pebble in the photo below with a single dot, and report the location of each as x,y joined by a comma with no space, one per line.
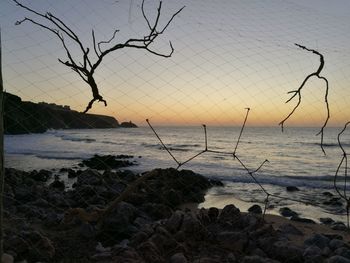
318,240
338,259
7,258
178,258
292,188
255,209
287,212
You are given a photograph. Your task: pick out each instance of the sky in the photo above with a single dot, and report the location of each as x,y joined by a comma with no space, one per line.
228,55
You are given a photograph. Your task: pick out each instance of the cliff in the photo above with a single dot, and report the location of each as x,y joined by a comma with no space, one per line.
27,117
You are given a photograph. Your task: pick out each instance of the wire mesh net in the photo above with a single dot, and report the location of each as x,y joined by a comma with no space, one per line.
228,56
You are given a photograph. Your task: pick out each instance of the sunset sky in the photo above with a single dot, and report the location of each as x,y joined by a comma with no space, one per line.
229,55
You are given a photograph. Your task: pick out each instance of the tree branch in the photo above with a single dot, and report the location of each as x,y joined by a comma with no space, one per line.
298,93
86,67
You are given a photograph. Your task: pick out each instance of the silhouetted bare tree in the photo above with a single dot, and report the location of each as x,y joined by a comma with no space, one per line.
88,63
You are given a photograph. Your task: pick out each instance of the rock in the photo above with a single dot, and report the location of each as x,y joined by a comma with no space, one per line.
52,219
192,227
289,229
287,252
57,184
229,213
326,252
302,219
255,209
16,244
40,203
150,253
202,216
207,260
230,258
157,211
102,256
119,221
312,251
127,175
86,230
334,201
339,226
89,177
338,259
318,240
72,173
234,241
41,176
40,247
100,249
213,213
266,231
173,197
258,252
328,194
215,182
343,251
7,258
140,221
334,236
250,222
139,238
336,243
23,193
292,188
174,223
128,124
326,220
266,243
30,211
287,212
257,259
107,162
163,240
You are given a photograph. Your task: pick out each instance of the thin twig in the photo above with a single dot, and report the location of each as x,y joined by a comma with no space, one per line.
160,140
240,133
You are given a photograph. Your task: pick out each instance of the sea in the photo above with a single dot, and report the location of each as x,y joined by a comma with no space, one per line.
294,158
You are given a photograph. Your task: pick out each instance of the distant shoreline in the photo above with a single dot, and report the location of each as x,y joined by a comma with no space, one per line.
23,117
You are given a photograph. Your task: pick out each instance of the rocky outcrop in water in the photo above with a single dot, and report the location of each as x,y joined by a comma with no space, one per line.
27,117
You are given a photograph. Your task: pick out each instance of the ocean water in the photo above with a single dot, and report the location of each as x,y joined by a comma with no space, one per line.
295,159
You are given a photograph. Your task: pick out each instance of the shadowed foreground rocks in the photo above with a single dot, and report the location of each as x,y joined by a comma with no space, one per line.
36,203
148,226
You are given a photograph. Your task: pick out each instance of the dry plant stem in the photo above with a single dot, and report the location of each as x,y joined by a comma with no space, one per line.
344,160
298,94
160,140
88,63
235,157
179,164
240,133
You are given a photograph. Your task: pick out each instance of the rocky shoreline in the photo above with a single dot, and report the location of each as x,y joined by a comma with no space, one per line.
46,222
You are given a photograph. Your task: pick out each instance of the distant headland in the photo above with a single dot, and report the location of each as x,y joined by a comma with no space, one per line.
23,117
